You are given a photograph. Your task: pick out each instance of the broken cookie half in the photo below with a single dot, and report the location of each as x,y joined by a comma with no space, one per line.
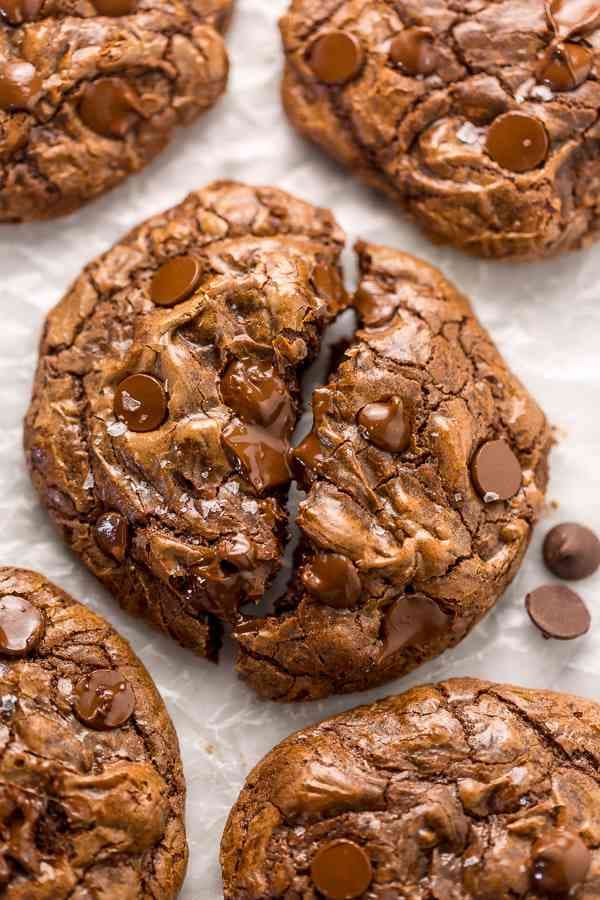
426,470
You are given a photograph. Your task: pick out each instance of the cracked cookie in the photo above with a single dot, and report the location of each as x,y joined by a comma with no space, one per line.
462,789
92,90
479,118
426,470
91,784
166,395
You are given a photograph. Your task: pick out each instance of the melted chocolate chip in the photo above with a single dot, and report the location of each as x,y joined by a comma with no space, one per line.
18,11
236,552
220,592
496,472
518,142
341,870
328,283
20,85
412,619
108,107
566,66
385,425
413,50
307,457
104,700
572,551
115,7
568,17
558,612
333,579
263,456
22,626
111,531
254,390
175,281
141,402
561,862
336,57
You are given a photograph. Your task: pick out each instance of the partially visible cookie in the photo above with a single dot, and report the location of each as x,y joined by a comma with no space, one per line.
91,784
426,470
479,118
464,789
92,90
166,395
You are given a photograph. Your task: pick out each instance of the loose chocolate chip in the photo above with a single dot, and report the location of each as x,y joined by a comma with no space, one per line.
385,425
20,85
111,532
561,862
175,281
328,283
341,870
141,402
18,11
263,456
336,57
411,619
572,551
333,579
108,107
496,471
104,700
254,390
22,626
413,50
569,17
115,7
566,67
518,142
558,612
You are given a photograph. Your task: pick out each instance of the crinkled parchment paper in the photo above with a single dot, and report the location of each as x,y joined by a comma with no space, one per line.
545,318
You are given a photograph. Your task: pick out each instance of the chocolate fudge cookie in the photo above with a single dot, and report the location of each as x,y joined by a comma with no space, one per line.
92,90
166,394
426,470
479,118
91,785
464,789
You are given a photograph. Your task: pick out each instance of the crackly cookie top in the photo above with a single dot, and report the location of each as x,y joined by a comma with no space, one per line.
91,90
166,396
463,789
480,117
91,785
425,470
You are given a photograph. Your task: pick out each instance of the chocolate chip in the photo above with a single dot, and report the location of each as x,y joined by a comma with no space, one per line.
108,107
104,700
111,532
175,281
386,425
518,142
237,552
262,456
328,283
569,17
22,626
411,619
413,50
141,402
336,57
254,390
566,67
572,551
18,11
341,870
20,85
115,7
558,612
307,457
496,471
333,579
561,862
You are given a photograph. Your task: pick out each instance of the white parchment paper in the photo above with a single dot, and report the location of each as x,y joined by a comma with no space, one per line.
545,318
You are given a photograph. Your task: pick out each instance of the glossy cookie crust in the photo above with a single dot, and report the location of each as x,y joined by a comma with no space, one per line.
426,471
165,397
462,789
91,785
91,92
478,118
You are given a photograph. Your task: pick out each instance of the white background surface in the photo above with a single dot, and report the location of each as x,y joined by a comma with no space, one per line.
545,318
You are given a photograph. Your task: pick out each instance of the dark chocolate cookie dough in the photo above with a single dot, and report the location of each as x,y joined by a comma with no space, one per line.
479,118
166,394
426,471
464,789
92,90
91,785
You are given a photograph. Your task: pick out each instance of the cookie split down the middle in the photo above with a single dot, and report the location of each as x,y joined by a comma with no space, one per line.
159,440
